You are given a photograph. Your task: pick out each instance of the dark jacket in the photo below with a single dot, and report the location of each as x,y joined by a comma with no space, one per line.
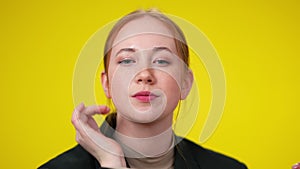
188,155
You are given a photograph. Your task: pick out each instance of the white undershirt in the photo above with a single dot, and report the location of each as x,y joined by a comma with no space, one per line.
154,152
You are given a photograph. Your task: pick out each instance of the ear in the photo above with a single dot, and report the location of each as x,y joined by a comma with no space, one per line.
187,84
105,85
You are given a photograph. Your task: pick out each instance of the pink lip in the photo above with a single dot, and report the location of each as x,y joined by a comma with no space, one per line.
144,96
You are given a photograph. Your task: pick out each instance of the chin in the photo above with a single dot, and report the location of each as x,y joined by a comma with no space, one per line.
143,115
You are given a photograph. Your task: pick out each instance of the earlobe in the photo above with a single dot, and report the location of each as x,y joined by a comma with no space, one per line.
105,85
187,84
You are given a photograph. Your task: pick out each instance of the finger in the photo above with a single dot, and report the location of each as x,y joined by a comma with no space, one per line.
93,124
80,107
85,135
76,115
82,113
83,124
92,110
92,140
104,109
78,136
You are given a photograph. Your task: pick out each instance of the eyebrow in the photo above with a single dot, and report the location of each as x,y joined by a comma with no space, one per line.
125,50
161,48
155,49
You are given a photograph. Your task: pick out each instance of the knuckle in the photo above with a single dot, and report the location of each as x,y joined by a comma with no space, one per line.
75,117
73,120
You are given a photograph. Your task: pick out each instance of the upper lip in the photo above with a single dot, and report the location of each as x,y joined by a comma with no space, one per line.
144,93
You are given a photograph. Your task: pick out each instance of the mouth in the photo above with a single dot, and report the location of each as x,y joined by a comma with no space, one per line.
144,96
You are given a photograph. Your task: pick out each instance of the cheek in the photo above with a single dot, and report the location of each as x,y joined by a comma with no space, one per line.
172,94
171,88
119,83
174,91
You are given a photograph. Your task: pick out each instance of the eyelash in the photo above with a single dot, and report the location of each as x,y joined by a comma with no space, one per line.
126,61
161,62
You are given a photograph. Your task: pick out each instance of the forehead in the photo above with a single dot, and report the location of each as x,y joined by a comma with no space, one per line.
144,33
144,25
145,42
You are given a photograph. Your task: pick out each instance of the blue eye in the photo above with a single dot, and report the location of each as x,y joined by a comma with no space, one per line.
126,61
162,62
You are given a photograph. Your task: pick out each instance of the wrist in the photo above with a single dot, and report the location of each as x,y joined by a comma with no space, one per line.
116,162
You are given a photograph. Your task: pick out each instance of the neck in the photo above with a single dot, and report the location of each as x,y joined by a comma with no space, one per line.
147,139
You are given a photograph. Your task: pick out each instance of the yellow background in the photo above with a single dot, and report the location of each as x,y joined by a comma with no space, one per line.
257,41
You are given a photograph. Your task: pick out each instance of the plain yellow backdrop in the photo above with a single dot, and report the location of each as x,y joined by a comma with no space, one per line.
257,41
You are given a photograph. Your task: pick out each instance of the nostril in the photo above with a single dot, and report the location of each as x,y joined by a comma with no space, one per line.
145,80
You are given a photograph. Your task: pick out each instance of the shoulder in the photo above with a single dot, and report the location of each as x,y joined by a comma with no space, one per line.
207,159
75,158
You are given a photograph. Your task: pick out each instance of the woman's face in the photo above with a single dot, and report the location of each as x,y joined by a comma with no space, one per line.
145,74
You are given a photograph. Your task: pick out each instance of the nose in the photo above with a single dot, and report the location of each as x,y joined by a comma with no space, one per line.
145,77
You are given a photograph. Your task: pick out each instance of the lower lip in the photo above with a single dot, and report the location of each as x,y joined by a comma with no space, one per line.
145,98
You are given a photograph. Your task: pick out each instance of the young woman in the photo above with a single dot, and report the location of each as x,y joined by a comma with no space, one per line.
146,75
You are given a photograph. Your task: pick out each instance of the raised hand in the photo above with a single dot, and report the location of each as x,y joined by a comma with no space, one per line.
106,150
